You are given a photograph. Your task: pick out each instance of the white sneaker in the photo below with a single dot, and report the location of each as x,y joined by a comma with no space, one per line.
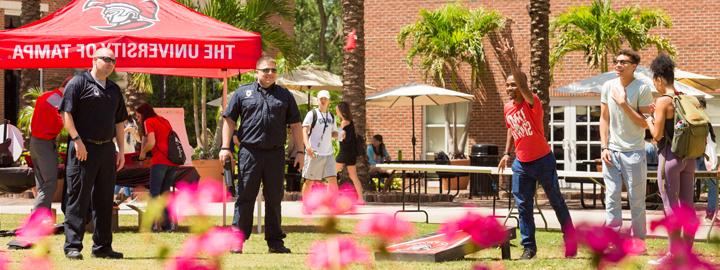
662,260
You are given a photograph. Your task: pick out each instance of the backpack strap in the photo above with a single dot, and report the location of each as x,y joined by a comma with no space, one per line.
314,121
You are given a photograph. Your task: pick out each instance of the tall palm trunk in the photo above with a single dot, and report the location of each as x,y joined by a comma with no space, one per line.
196,112
29,78
540,56
354,72
323,30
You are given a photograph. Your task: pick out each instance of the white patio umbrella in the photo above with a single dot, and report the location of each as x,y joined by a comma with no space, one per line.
300,98
14,134
310,79
420,94
594,84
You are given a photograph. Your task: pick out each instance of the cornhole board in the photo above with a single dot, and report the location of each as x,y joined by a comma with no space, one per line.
437,248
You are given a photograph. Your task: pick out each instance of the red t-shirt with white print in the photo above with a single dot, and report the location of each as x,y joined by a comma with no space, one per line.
526,124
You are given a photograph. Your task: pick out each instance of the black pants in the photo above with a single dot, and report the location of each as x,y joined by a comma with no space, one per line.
90,185
255,166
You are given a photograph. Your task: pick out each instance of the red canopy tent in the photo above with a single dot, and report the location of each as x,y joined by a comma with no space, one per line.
149,36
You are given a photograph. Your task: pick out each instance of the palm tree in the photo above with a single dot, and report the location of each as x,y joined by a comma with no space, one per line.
598,30
444,39
29,78
540,55
353,17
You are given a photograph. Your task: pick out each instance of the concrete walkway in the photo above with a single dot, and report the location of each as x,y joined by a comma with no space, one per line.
438,213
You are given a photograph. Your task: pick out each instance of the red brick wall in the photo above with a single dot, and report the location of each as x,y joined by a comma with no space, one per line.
696,24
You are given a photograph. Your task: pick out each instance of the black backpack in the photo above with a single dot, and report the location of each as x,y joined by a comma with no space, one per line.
175,151
314,121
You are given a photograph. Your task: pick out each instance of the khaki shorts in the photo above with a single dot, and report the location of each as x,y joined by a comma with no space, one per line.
319,167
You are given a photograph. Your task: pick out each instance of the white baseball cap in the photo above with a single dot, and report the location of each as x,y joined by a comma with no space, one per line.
323,94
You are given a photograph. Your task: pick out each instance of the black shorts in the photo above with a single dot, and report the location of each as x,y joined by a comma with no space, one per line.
346,159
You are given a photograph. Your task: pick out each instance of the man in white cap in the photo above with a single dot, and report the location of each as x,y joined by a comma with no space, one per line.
318,130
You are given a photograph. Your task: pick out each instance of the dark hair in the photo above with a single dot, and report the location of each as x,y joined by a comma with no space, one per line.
634,56
381,149
264,59
344,109
146,111
663,67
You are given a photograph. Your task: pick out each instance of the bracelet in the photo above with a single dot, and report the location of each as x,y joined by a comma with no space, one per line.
226,148
507,154
300,152
76,138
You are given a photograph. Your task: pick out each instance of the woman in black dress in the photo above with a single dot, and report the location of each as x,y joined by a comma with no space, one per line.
348,147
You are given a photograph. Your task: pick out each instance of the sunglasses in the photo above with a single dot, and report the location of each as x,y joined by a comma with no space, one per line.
622,62
107,59
268,70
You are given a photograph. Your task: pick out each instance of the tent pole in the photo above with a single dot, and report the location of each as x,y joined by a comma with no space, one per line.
224,104
412,108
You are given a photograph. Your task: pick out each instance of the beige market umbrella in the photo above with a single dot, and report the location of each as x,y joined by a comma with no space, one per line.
417,94
697,81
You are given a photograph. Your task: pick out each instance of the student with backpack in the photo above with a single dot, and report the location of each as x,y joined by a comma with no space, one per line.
318,130
674,117
351,146
159,139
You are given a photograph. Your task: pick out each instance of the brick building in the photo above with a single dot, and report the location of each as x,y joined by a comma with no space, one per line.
574,131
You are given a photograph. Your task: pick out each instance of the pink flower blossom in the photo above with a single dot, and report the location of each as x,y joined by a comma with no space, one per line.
495,266
337,253
484,231
385,227
4,261
194,199
36,262
186,263
681,220
606,244
37,226
214,242
319,200
683,258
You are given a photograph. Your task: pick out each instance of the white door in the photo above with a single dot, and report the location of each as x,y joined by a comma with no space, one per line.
575,133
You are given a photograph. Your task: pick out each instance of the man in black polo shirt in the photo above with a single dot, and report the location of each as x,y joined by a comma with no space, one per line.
265,109
94,113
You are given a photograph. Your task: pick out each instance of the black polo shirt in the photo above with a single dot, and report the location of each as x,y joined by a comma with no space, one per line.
95,110
264,115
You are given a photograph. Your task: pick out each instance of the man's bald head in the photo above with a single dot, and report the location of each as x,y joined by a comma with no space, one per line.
103,63
104,52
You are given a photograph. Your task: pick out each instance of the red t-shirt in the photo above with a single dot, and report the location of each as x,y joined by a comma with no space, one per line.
161,127
526,124
46,120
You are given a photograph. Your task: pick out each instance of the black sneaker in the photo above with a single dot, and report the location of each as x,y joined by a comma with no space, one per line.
528,254
108,255
279,249
74,255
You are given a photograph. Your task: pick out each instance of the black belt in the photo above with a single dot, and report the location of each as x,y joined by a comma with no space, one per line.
97,142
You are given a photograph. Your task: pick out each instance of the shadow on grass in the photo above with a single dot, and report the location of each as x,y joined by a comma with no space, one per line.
294,228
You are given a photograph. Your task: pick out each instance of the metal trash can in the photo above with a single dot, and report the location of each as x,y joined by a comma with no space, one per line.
483,155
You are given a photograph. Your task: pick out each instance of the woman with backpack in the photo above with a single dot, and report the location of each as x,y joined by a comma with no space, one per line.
676,175
348,147
155,133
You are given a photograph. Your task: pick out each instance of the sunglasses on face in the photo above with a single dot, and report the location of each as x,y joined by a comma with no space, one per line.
622,62
268,70
107,59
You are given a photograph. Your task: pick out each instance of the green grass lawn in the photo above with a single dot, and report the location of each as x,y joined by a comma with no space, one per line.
141,250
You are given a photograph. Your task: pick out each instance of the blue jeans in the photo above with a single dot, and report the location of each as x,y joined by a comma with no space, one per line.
126,190
162,178
712,187
629,167
525,177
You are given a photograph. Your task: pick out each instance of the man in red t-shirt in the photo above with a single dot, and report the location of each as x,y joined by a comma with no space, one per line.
45,126
534,162
162,170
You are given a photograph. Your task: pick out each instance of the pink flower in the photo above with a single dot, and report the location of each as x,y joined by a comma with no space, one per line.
495,266
484,231
319,200
385,227
337,253
194,199
185,263
37,226
680,220
4,261
214,242
36,262
606,244
683,258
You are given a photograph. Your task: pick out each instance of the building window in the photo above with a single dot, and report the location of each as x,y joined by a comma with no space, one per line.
435,136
